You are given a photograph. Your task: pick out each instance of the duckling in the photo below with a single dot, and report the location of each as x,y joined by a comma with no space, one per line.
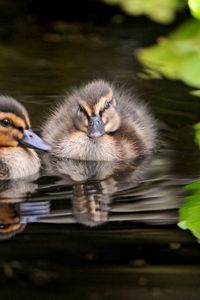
16,138
99,122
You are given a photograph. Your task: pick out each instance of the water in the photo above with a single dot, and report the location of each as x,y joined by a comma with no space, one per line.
98,230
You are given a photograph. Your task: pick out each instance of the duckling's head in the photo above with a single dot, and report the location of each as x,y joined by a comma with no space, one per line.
97,111
15,128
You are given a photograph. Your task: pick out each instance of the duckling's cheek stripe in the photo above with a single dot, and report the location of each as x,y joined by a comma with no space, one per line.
85,107
113,123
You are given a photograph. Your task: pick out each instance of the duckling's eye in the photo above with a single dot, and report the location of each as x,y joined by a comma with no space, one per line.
81,110
6,122
20,129
107,105
4,226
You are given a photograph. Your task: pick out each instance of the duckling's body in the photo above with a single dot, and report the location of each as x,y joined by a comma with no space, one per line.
99,122
18,162
16,159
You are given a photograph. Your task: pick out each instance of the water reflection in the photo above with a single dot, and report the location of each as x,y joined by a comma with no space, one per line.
115,192
91,193
13,193
94,183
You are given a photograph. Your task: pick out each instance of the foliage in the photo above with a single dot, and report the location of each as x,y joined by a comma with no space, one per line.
189,213
197,133
162,11
178,56
194,6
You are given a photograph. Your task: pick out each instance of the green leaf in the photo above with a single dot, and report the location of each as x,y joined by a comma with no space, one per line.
194,6
161,11
189,213
178,56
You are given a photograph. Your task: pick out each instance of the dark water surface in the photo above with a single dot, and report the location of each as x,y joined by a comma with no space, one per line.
98,230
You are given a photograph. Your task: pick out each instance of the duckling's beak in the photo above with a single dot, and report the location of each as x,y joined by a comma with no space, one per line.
32,140
95,127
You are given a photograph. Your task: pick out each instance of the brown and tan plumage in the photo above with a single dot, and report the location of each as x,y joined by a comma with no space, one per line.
16,138
100,122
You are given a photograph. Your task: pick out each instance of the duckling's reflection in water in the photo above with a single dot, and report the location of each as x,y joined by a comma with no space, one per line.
134,191
13,193
95,182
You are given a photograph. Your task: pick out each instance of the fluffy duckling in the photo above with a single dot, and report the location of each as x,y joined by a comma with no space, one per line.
101,123
16,137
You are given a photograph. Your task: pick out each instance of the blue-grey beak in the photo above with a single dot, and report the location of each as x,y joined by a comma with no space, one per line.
32,140
95,127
